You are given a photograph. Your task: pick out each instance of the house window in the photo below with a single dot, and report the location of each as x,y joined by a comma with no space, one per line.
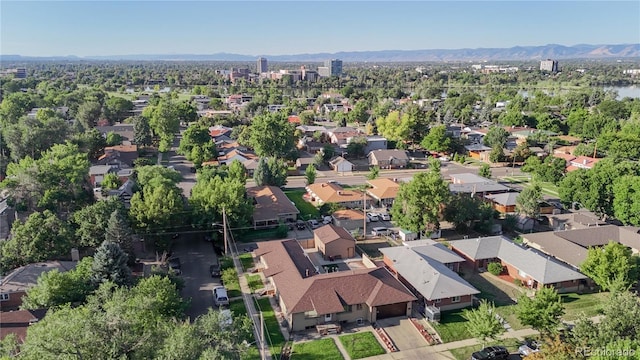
358,306
438,301
4,297
455,299
327,317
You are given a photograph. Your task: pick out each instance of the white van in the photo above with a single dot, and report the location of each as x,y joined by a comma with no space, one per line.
378,231
220,296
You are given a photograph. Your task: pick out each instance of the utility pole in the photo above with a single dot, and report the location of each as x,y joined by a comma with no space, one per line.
224,231
364,211
262,344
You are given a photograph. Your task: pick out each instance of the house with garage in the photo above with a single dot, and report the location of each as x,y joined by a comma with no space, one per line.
309,298
334,242
534,269
474,184
15,285
271,207
322,193
505,203
383,190
389,159
428,269
341,135
571,246
478,151
349,219
120,156
341,165
303,162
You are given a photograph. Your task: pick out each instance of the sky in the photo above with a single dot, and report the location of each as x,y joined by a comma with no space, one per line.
96,28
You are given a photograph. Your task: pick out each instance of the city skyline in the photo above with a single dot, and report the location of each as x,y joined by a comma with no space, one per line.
266,28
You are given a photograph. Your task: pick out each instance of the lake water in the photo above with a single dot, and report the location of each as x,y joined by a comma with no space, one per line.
626,91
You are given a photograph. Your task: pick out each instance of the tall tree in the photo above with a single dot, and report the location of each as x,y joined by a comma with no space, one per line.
528,201
485,171
88,114
272,172
196,145
110,264
613,268
117,109
626,201
211,195
91,221
396,126
541,312
374,173
310,174
164,120
496,137
272,135
142,131
483,323
237,171
119,232
437,140
419,202
43,236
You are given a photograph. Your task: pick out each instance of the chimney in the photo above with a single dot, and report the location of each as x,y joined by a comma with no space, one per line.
395,180
339,192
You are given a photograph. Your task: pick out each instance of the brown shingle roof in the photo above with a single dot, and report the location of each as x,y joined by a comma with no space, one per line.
270,202
325,293
348,214
17,322
329,233
383,188
335,193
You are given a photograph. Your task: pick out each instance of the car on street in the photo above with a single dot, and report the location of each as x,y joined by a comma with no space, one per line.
529,347
314,224
327,220
175,265
214,270
372,217
385,216
491,353
379,231
220,296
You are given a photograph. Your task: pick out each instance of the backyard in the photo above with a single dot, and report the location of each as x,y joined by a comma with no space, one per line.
317,349
307,210
255,282
361,345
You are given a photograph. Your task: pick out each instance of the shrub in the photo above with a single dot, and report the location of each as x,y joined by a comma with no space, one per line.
495,268
518,282
282,231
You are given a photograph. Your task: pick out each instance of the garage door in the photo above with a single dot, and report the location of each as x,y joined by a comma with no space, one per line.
392,310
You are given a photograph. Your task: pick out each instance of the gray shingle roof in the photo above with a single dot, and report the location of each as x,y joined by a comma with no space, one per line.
506,199
542,268
429,277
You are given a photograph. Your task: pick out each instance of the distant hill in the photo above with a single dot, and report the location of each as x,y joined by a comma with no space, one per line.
551,51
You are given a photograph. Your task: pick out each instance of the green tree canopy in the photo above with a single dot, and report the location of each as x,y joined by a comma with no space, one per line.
196,145
496,137
271,172
437,140
310,174
110,265
613,267
528,201
91,221
272,135
211,195
483,323
626,201
541,312
419,202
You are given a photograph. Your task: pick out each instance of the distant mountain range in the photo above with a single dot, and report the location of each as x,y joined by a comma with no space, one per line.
551,51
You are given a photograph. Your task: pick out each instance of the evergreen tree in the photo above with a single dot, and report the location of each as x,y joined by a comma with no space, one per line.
119,232
110,264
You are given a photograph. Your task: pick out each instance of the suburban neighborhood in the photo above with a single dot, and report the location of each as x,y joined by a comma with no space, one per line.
307,209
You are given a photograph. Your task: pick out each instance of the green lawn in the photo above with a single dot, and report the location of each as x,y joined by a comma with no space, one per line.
307,210
588,304
508,313
237,307
247,261
274,336
325,349
233,288
361,345
258,235
452,326
255,282
464,353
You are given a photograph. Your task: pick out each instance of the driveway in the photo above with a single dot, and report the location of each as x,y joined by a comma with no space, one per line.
195,256
403,334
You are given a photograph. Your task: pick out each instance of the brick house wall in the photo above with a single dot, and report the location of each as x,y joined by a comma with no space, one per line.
14,301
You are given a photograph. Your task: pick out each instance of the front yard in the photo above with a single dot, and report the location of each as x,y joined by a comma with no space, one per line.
317,349
361,345
273,335
588,304
464,353
452,326
307,210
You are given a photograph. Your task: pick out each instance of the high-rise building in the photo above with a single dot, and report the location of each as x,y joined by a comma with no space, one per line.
262,65
334,66
549,65
21,73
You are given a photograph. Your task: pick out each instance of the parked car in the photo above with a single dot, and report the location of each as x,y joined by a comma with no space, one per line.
327,220
314,224
491,353
214,270
379,231
529,347
385,216
220,296
300,225
175,265
372,217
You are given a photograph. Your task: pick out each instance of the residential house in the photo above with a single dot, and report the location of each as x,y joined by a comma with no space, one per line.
571,246
271,207
533,269
383,190
304,161
574,220
340,135
389,159
124,192
250,165
375,143
98,172
429,270
218,130
334,242
475,184
478,151
341,165
120,156
505,203
308,298
322,193
18,322
309,130
126,131
349,219
582,162
235,154
15,285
